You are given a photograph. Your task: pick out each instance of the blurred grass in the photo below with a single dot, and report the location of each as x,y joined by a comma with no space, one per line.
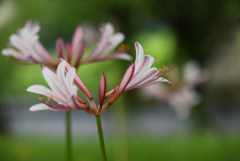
196,147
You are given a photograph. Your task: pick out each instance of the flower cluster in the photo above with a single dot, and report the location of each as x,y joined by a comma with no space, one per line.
62,95
25,46
107,42
139,74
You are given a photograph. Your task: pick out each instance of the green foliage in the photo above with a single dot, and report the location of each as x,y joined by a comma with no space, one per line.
160,44
197,147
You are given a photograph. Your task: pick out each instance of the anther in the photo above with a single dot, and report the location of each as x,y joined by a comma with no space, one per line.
123,47
40,98
49,99
57,99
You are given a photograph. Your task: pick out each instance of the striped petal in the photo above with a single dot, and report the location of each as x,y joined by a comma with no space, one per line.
144,74
77,80
124,82
61,78
51,79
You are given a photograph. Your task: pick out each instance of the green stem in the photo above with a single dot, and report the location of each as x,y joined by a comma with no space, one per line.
68,136
101,140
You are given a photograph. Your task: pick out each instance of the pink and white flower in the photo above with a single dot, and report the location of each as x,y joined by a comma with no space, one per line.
139,74
62,91
108,41
25,46
144,74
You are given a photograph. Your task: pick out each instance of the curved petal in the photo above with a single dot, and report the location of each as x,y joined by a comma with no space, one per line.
151,74
151,82
77,37
117,55
40,107
44,55
70,78
61,78
77,80
52,81
139,55
15,54
40,89
115,40
124,82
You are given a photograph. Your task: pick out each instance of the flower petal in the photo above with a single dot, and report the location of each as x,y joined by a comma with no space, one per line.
107,42
77,37
115,40
124,82
102,89
40,107
64,81
51,79
151,82
40,89
78,80
59,47
117,55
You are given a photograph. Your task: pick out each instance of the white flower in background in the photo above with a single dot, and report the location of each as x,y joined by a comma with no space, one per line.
193,74
182,97
26,47
107,42
183,101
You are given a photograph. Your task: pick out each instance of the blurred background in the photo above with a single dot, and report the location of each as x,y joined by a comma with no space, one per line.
196,118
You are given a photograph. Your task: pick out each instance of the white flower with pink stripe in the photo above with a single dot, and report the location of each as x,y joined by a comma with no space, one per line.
26,47
107,42
139,74
62,91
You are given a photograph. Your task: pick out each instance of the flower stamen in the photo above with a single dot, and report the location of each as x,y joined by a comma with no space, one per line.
123,47
46,102
163,71
57,99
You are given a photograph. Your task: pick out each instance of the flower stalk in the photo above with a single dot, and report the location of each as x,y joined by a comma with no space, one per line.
68,137
101,140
